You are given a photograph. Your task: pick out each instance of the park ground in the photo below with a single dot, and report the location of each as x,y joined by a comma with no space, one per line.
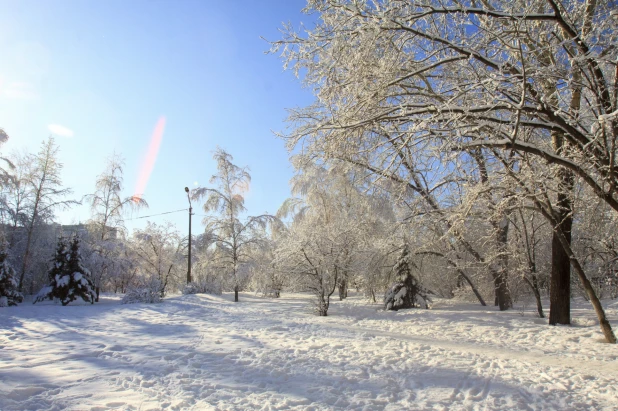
202,352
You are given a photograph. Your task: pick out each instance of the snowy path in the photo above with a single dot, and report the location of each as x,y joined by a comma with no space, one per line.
204,352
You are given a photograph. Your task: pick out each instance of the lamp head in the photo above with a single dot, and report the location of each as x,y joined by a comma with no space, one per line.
187,189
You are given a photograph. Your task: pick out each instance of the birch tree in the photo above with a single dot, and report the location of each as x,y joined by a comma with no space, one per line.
4,173
232,236
108,209
46,195
158,252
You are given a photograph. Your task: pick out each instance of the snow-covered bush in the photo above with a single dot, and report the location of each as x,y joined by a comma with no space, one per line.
147,292
68,278
203,287
407,292
8,284
406,295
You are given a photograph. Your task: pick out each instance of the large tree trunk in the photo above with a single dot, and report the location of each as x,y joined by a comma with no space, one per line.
606,327
323,301
343,288
560,282
503,295
565,242
500,274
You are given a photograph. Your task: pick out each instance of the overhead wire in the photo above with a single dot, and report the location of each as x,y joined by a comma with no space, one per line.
154,215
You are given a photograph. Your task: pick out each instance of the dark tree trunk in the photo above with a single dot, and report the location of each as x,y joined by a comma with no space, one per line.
503,295
606,327
500,274
560,282
97,291
235,294
343,288
322,305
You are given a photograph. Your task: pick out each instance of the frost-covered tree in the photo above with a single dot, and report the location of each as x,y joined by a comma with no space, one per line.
313,256
108,209
596,238
8,283
68,278
107,205
46,195
266,277
158,253
123,270
527,251
232,236
527,81
205,274
332,224
5,176
16,195
406,292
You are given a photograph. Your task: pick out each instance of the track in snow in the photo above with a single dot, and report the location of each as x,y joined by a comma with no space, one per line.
204,352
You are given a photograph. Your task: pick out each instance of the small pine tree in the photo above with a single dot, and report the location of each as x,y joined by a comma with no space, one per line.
8,283
69,279
407,292
55,273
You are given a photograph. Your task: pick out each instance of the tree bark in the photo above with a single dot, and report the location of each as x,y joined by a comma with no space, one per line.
560,282
343,288
500,275
503,295
236,294
565,242
606,327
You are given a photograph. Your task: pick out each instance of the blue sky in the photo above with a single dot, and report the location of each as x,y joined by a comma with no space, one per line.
101,74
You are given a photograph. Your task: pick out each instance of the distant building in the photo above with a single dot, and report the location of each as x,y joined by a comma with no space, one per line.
59,230
82,231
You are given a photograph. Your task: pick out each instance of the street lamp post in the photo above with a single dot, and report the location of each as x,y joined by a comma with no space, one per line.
189,261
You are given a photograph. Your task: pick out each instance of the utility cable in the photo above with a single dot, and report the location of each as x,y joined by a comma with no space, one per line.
154,215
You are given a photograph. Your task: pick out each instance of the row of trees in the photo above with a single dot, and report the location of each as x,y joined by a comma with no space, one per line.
224,256
32,192
477,139
492,125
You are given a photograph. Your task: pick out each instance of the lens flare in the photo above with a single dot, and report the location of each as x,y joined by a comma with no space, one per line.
150,159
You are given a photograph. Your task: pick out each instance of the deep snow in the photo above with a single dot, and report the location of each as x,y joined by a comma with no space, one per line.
204,352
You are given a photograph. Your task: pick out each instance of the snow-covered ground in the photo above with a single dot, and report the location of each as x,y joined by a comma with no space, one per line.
206,353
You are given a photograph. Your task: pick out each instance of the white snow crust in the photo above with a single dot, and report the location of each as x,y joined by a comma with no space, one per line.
204,352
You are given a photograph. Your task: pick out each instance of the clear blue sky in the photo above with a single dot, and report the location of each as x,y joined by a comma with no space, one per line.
106,71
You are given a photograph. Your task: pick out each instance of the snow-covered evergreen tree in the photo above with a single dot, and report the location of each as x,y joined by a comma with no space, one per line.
69,279
55,272
407,292
8,283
